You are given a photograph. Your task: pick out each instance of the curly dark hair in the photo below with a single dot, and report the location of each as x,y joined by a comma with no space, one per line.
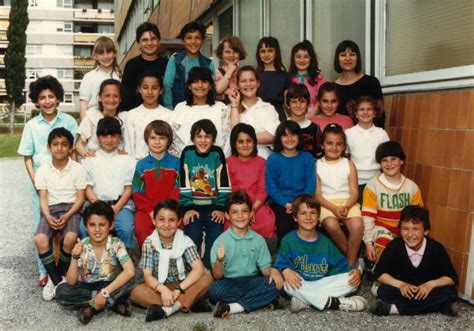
46,83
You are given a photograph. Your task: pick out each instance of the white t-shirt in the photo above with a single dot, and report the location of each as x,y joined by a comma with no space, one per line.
109,173
89,89
61,185
185,116
334,178
362,143
137,120
263,117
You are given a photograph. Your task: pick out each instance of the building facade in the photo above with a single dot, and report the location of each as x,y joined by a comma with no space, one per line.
60,38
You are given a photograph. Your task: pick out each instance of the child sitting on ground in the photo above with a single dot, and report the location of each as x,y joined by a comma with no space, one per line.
415,271
46,92
61,184
101,271
204,186
384,198
237,256
109,178
173,271
316,273
156,177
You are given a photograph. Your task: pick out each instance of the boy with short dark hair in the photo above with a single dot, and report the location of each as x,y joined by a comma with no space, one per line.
238,257
316,273
192,35
101,271
61,184
156,177
109,178
384,198
148,39
173,272
415,271
204,187
46,93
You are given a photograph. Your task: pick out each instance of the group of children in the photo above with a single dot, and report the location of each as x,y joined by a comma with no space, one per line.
257,181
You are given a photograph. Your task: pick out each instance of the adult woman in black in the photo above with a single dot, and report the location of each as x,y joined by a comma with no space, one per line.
352,82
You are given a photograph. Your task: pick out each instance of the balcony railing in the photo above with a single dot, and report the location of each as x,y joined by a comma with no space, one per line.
87,38
81,61
4,12
93,14
2,60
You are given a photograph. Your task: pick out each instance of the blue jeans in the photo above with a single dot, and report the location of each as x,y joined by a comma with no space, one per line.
201,224
124,227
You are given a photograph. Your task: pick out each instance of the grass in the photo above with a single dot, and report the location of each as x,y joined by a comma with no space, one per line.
199,327
9,144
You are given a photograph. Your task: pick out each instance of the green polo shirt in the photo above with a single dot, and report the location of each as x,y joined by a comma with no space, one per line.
244,256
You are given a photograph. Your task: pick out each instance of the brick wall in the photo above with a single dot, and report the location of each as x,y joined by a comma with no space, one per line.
436,130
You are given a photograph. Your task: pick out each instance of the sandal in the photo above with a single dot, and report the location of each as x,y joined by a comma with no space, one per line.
85,314
123,308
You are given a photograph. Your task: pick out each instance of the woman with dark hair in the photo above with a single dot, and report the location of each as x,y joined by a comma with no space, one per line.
352,82
200,104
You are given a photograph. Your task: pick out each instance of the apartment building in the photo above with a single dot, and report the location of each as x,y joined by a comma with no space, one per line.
60,37
422,52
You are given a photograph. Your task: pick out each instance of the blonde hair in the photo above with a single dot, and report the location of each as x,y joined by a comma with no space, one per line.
102,45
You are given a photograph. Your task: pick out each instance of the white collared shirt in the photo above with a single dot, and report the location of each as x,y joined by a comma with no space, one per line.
61,185
90,85
416,256
109,173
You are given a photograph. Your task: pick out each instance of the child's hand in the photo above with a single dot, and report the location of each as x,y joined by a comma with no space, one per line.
89,154
408,291
176,294
355,278
189,216
289,208
53,222
116,210
221,252
77,249
292,278
424,290
370,252
122,151
252,216
343,210
234,98
218,216
99,301
63,220
167,297
231,66
276,277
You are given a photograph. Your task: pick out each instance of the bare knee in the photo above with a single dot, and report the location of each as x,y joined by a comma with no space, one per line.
331,224
69,241
42,243
355,226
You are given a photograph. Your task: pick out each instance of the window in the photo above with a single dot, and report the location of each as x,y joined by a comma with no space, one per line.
33,73
225,23
32,50
65,49
64,27
105,5
425,44
333,22
64,3
102,28
67,97
249,27
83,51
65,73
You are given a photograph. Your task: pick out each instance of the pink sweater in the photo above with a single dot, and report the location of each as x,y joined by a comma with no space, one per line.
342,120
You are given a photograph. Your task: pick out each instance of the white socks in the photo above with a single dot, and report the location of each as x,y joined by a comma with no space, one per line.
235,308
171,310
393,310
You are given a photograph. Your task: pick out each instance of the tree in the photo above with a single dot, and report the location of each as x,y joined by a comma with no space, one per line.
15,56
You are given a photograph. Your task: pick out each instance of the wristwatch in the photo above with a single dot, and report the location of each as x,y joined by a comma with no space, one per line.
105,293
179,288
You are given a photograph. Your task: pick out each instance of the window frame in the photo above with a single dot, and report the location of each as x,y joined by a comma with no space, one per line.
454,77
68,97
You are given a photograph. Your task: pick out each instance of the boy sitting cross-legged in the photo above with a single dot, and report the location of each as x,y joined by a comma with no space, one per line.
415,271
173,271
316,273
101,271
237,256
60,183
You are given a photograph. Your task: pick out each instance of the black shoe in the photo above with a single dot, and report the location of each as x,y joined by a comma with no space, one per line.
381,308
274,305
85,314
449,309
201,306
222,310
154,313
123,307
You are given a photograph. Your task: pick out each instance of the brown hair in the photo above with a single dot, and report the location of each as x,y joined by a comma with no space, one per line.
105,44
235,44
310,201
160,128
353,105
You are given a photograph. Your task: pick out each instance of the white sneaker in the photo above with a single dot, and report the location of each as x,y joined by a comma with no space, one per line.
297,305
49,290
355,303
374,288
